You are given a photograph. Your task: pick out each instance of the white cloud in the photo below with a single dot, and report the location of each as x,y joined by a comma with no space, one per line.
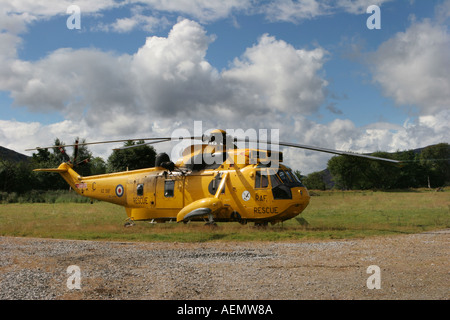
69,81
295,11
126,24
273,75
169,77
15,16
138,21
412,67
201,10
19,136
358,6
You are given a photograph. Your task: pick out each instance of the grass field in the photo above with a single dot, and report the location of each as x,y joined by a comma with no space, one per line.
330,215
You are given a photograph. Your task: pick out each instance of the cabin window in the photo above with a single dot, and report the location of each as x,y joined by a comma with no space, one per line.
140,190
261,179
169,187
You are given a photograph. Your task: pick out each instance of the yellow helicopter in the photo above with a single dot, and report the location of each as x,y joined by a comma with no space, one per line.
214,181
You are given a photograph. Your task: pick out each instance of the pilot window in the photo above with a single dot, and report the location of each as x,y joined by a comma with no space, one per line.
169,187
283,176
275,179
140,190
261,179
295,180
280,189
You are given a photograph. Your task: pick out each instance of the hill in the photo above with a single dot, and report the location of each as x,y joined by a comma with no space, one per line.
11,155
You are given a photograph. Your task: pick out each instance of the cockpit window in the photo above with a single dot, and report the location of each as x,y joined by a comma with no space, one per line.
287,177
282,180
294,178
275,179
283,176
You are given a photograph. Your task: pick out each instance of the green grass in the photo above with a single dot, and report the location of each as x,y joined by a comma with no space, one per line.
330,215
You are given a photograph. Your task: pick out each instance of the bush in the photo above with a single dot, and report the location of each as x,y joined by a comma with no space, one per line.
40,196
10,197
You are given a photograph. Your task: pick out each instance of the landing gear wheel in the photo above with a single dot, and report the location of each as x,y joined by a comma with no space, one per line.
129,223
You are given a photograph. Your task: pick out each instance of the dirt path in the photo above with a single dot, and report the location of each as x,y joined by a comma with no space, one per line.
410,267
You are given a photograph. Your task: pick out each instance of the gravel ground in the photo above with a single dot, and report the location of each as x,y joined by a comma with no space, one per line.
411,267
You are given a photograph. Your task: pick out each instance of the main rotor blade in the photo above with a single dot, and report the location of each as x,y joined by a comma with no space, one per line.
339,152
97,142
157,141
160,139
141,144
326,150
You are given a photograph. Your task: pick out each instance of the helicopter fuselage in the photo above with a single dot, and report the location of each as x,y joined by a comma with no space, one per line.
235,189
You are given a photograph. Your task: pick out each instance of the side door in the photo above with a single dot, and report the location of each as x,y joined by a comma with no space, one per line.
170,191
141,192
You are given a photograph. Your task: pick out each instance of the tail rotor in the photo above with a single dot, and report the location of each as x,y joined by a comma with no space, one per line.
73,162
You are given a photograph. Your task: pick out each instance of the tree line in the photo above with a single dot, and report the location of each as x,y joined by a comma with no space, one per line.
429,167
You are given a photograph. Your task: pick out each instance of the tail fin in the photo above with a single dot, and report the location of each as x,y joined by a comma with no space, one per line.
66,171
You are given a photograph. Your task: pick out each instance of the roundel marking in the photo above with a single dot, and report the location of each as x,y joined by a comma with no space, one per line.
119,190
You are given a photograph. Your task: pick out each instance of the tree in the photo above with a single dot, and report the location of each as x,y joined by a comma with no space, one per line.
380,174
43,158
411,173
98,166
436,162
299,175
348,172
428,167
315,181
132,158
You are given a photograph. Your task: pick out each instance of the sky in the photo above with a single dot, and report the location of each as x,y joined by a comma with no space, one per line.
315,72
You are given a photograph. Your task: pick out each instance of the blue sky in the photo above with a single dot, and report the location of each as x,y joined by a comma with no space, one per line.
308,68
